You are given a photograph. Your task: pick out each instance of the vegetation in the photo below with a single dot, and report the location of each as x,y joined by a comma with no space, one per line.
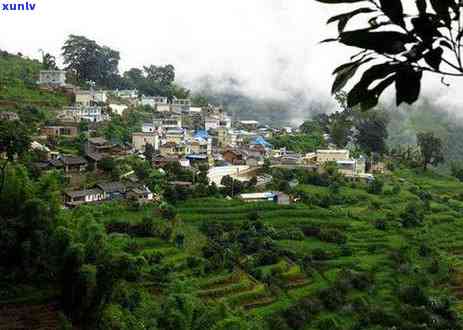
19,91
398,44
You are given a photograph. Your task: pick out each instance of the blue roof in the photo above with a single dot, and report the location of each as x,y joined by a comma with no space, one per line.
261,141
201,134
197,157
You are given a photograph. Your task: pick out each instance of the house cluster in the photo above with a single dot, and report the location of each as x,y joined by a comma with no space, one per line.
174,131
108,192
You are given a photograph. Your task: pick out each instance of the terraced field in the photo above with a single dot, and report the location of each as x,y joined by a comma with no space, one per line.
360,234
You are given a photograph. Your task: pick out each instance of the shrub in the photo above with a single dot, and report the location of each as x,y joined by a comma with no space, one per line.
152,257
346,251
334,188
412,216
328,324
413,295
376,186
311,231
332,236
320,255
396,189
380,224
332,298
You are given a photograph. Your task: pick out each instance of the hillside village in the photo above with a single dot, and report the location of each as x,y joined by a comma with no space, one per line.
173,132
156,208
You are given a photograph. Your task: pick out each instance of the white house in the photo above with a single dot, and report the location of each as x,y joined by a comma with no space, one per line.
159,102
118,108
126,94
249,124
211,123
89,113
55,78
86,98
140,140
332,155
148,128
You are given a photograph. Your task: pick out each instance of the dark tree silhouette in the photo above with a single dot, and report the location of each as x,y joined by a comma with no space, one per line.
399,42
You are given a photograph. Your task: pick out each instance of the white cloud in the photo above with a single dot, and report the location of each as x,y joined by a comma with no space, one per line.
270,45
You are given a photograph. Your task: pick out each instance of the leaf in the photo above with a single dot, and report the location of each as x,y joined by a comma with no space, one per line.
384,42
360,91
447,44
328,40
426,28
442,9
339,1
373,95
344,18
346,65
345,72
422,6
407,85
434,58
394,10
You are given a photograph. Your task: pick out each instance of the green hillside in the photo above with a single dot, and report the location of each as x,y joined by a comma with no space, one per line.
341,258
18,85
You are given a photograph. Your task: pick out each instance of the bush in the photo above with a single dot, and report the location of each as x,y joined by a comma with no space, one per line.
376,186
380,224
152,257
346,251
332,236
320,255
328,324
413,295
332,298
412,216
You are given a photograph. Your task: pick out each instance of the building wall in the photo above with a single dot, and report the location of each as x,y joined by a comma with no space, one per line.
332,155
84,98
55,131
52,77
93,198
140,140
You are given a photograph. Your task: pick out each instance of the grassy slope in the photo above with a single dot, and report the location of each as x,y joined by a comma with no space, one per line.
18,88
371,248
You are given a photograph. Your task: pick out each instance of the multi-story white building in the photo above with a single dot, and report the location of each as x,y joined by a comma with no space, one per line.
159,103
118,109
148,128
54,78
211,123
172,122
87,98
176,135
126,94
140,140
332,155
78,113
181,105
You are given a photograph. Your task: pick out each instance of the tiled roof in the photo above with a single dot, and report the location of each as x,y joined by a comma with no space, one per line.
112,187
83,193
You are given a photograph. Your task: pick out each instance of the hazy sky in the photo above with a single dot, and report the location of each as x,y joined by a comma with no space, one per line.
270,45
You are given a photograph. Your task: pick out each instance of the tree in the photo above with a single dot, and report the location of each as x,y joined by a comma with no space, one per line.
398,44
14,141
340,131
90,61
48,61
149,152
164,75
372,132
134,78
431,149
340,123
168,212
